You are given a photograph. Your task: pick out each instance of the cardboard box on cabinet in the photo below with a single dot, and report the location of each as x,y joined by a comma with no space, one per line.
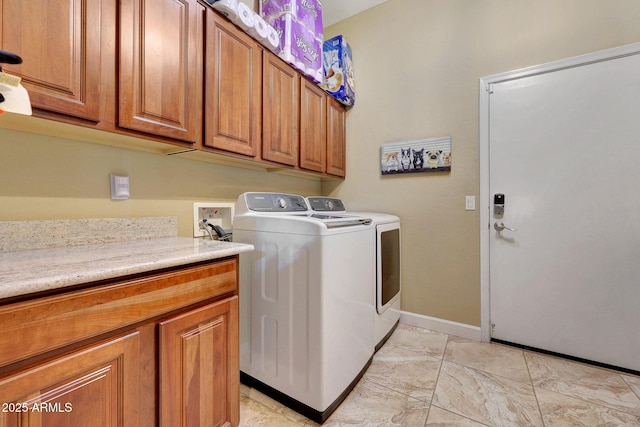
338,70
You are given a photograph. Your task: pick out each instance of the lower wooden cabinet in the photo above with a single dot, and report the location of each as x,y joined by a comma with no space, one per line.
96,386
157,350
199,372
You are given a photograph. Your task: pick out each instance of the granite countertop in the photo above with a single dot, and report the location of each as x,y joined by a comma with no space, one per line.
28,271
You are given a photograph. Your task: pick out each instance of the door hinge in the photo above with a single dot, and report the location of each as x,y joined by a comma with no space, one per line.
490,88
493,327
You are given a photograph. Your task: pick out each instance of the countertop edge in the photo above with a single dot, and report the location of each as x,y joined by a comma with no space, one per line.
77,265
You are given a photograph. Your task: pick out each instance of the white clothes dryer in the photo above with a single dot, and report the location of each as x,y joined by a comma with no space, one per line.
306,309
387,283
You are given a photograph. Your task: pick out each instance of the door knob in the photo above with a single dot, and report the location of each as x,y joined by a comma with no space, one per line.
499,226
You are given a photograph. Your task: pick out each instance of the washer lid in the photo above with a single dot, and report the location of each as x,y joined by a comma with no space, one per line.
335,221
331,205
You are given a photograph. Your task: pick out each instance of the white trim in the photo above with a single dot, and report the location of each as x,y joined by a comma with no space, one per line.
485,197
440,325
485,205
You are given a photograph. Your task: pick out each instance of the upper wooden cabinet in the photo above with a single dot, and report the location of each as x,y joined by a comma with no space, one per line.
298,117
280,111
336,138
60,44
233,88
160,86
313,127
173,71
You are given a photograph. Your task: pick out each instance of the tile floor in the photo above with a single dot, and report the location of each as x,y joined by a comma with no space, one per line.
425,378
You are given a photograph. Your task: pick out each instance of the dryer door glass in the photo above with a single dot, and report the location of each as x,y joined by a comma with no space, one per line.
389,267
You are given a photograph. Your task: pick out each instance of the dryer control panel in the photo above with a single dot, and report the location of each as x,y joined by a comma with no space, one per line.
326,204
275,202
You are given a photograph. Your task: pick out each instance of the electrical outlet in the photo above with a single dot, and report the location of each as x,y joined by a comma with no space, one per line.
217,213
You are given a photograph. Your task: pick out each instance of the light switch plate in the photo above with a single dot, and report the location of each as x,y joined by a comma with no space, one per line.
119,187
470,203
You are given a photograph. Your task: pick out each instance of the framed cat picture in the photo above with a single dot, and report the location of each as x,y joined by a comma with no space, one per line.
420,155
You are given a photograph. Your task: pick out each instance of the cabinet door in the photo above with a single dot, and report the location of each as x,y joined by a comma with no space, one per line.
280,109
199,371
94,387
336,139
161,45
313,124
59,42
233,81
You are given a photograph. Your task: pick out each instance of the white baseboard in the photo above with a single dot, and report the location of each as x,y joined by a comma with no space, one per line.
441,325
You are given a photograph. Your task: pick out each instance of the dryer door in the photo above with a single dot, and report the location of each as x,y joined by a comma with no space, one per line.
388,265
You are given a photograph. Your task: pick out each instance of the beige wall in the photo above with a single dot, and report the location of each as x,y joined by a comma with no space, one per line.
45,177
417,66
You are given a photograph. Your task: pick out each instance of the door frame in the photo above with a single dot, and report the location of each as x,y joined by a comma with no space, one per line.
485,198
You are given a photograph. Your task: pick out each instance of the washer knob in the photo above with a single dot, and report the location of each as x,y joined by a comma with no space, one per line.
328,204
282,203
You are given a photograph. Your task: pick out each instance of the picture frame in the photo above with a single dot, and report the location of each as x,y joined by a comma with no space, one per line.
416,156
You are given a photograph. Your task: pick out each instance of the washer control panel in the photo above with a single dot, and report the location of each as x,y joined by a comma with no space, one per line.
275,202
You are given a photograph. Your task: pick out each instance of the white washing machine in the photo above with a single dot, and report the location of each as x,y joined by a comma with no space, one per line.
306,309
387,282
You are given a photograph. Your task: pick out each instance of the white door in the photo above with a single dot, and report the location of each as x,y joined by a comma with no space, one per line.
564,149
